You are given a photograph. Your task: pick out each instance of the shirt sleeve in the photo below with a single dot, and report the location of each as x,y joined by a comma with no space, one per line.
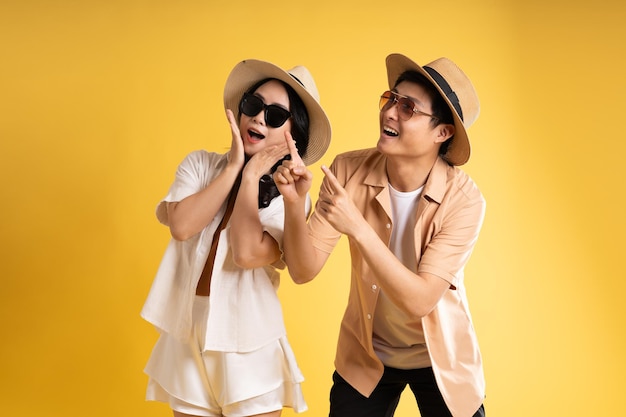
450,248
325,236
192,175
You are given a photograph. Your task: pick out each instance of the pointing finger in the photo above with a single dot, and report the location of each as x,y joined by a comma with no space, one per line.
293,151
332,180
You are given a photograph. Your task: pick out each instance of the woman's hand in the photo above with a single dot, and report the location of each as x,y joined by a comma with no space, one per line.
262,161
292,178
236,156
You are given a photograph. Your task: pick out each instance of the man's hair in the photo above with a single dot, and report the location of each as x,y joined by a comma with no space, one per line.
440,108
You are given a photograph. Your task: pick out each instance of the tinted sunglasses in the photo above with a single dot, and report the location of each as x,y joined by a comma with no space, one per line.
275,116
406,106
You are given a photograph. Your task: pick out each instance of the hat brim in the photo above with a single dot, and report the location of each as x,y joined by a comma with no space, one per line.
459,149
250,71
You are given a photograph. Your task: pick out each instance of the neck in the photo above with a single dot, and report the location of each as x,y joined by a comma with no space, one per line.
408,175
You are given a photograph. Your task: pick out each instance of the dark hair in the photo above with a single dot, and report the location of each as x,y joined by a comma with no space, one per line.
299,131
440,108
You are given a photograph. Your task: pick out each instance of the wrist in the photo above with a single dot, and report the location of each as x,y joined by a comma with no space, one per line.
363,234
294,205
232,169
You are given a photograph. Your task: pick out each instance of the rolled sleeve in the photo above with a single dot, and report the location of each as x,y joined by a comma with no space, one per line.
324,236
192,175
455,235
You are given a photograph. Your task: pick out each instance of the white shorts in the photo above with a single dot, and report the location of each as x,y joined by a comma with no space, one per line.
214,383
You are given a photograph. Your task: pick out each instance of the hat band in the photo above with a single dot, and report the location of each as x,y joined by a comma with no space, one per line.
298,80
446,89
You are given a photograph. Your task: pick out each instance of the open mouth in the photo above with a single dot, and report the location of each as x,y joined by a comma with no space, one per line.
255,135
390,132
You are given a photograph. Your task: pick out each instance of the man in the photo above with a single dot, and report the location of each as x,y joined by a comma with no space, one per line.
412,218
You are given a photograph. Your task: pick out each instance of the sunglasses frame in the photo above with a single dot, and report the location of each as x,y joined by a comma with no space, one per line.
269,110
407,107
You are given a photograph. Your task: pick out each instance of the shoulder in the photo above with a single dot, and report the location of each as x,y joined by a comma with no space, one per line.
462,183
462,191
356,157
449,184
202,157
200,163
358,165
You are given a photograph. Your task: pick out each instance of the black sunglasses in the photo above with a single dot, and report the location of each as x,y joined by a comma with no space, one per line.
275,116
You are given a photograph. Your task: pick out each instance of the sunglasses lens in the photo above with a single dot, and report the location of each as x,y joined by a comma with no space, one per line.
276,116
405,107
385,101
251,105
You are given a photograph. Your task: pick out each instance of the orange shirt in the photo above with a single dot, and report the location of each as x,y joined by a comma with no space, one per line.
449,217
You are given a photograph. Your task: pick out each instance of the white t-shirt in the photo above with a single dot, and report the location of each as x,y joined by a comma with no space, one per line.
245,312
398,338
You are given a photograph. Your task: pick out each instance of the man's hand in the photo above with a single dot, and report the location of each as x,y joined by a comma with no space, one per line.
336,206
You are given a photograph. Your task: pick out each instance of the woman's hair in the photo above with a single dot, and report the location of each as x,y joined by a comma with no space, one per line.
440,108
299,131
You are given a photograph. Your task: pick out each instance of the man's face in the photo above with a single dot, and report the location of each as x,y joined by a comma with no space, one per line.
406,127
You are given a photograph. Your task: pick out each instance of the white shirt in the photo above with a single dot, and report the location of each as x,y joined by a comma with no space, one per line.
245,312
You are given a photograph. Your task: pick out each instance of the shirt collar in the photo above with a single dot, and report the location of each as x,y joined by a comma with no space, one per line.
377,176
434,188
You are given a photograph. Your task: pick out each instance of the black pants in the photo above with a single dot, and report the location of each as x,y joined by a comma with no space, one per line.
345,401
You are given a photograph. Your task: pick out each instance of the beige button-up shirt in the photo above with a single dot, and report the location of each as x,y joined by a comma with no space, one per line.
449,217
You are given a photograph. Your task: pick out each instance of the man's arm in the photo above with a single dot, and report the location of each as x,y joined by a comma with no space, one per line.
416,294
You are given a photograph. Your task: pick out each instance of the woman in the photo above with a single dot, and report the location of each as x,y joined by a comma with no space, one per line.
222,349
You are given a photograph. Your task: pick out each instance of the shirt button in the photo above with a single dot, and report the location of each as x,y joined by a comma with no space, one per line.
374,287
369,316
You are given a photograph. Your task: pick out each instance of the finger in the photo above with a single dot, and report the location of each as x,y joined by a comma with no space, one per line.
279,151
231,117
333,183
233,122
286,175
324,198
293,151
279,177
301,172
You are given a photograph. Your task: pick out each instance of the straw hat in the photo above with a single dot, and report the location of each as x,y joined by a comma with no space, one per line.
457,91
248,72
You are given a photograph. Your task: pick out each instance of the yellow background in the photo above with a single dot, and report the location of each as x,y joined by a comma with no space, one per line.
100,101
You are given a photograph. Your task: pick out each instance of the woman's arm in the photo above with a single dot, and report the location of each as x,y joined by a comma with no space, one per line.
252,247
193,213
293,179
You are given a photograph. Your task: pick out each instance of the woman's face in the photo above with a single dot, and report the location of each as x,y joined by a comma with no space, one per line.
255,132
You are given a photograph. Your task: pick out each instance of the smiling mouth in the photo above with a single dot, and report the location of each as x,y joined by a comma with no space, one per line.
390,132
255,135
